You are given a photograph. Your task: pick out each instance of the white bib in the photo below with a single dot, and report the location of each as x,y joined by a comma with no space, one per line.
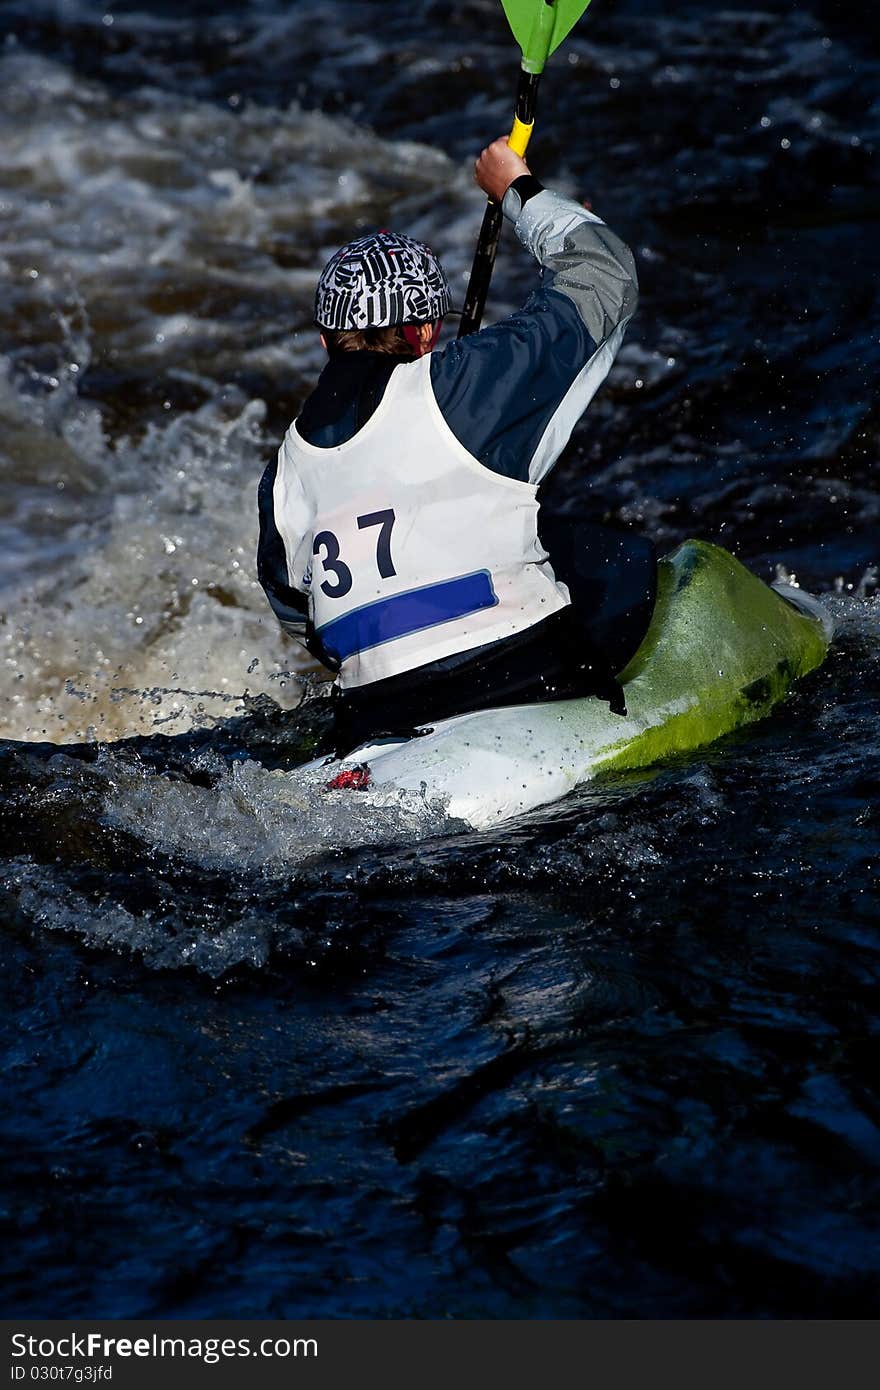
408,548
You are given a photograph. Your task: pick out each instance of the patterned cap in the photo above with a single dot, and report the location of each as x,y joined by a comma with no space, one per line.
381,280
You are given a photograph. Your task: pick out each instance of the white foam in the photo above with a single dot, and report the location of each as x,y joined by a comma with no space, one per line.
178,241
254,818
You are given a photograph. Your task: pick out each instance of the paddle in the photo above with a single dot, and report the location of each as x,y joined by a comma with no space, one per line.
539,27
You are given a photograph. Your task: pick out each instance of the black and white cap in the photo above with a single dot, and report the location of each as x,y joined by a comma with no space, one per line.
380,280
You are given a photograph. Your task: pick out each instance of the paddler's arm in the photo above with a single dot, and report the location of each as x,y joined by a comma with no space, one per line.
283,553
513,393
290,607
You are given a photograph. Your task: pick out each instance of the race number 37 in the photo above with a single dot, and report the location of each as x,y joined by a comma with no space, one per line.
339,579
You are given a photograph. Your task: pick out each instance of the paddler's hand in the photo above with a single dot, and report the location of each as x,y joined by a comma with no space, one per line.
497,167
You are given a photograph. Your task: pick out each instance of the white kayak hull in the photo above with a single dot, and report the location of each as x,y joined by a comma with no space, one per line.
723,648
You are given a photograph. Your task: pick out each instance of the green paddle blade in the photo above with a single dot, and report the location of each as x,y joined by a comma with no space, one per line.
539,28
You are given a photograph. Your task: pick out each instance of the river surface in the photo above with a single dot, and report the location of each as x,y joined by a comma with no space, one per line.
267,1057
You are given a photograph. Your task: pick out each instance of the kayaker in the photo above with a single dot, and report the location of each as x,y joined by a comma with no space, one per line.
400,536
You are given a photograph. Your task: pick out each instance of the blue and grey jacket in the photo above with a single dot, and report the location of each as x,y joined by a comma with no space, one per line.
511,394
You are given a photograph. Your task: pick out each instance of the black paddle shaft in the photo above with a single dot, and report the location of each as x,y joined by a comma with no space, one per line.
490,232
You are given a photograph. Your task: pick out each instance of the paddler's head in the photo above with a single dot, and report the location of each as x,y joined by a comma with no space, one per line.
384,293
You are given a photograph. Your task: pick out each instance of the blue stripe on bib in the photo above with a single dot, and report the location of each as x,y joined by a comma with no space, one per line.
403,614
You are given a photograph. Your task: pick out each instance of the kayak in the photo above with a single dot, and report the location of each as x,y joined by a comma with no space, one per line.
722,650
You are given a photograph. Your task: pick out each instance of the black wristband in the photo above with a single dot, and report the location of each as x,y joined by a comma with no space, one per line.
525,187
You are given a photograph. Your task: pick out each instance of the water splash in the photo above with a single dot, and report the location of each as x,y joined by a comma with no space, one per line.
250,817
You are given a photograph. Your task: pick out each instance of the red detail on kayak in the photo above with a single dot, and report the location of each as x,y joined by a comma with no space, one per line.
353,778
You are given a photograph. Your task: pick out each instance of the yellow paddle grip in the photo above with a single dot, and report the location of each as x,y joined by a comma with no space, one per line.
519,137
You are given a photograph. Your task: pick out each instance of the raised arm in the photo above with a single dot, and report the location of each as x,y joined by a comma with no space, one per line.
513,393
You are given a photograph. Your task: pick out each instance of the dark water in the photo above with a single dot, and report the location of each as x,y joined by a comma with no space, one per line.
268,1057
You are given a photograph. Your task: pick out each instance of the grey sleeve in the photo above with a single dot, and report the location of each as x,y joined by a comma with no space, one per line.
581,257
513,393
